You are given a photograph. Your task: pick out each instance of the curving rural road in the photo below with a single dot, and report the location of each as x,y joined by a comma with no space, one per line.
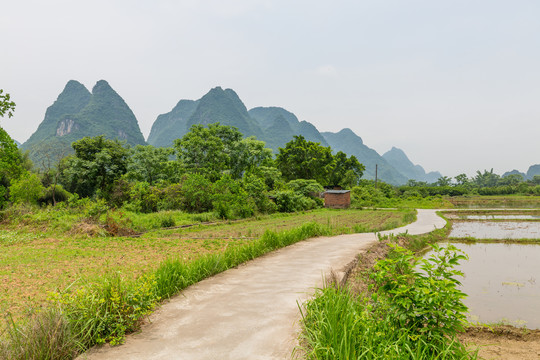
250,312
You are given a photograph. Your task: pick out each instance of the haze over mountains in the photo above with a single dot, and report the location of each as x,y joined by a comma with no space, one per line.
78,113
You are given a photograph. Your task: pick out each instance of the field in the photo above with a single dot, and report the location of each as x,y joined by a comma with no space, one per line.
483,202
42,251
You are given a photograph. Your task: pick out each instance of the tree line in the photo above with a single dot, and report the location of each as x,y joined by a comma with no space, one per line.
211,168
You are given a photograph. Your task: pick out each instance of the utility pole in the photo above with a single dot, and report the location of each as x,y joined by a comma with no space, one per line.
376,168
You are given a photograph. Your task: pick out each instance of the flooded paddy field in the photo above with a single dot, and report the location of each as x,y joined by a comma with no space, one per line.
502,275
502,217
502,282
496,229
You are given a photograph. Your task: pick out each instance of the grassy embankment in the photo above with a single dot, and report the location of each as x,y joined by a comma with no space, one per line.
108,284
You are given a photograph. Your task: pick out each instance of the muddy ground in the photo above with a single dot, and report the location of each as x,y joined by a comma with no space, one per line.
492,343
503,342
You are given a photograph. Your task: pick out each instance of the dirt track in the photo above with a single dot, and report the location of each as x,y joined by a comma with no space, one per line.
250,312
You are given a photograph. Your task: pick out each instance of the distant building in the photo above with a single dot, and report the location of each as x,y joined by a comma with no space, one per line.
337,199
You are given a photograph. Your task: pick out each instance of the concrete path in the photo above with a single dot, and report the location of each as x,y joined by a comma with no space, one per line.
250,312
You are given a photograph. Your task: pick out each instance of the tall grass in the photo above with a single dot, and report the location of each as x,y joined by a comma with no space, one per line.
48,336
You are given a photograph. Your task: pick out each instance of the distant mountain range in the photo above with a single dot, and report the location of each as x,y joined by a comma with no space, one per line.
78,113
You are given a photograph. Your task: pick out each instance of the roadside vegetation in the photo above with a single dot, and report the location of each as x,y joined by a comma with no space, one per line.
395,306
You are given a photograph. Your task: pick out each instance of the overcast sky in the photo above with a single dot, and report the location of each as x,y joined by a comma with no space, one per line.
455,83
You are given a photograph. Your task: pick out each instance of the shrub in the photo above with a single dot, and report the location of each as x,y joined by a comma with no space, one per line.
60,195
105,312
196,193
255,188
26,189
307,188
171,198
120,193
167,221
94,209
290,201
145,198
421,294
230,200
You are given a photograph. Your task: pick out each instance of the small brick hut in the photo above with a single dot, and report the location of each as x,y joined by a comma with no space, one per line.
337,199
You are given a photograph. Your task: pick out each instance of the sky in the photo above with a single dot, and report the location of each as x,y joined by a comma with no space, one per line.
455,84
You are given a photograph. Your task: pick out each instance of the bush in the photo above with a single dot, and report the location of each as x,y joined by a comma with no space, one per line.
26,189
421,295
94,209
196,193
290,201
230,200
307,188
413,314
255,188
120,193
144,198
171,198
60,195
3,193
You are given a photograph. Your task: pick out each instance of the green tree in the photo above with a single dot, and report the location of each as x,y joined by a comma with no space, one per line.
207,150
462,179
10,157
218,149
512,179
444,181
412,183
196,193
248,155
346,171
535,180
26,189
230,200
6,105
302,159
52,167
150,164
97,163
486,179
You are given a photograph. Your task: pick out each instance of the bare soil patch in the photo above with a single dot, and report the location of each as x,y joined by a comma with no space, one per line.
503,342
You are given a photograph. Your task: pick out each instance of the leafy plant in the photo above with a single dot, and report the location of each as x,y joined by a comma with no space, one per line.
26,189
422,294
